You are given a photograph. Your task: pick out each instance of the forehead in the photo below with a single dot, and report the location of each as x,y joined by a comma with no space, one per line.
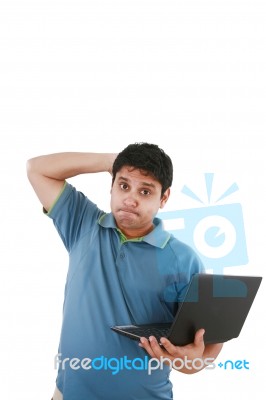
132,174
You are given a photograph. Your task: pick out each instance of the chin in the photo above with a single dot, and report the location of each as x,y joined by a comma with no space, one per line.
126,222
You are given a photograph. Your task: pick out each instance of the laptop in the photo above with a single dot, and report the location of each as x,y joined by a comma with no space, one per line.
218,303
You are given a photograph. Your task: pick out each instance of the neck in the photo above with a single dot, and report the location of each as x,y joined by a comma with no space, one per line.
134,234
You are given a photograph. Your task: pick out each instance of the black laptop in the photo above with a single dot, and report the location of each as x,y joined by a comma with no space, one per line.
218,303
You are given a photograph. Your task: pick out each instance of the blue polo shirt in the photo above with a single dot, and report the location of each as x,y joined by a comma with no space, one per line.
111,281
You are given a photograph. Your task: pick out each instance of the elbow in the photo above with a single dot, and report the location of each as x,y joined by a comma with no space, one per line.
31,167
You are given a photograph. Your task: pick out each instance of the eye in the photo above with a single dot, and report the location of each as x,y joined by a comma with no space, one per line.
145,192
123,186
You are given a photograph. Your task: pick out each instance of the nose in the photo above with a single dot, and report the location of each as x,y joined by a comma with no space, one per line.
130,201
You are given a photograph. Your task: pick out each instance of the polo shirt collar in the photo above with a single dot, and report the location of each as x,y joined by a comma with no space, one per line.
158,237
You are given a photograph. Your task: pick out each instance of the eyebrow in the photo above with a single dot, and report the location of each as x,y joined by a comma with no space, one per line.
122,178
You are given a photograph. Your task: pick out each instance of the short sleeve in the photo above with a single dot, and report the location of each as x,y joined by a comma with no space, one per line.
191,265
185,263
73,215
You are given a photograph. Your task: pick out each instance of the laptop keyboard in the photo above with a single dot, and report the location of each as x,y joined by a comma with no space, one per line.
149,331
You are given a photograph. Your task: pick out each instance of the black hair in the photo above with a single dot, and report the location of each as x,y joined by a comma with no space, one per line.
149,159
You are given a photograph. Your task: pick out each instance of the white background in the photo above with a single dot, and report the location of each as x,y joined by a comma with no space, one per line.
95,76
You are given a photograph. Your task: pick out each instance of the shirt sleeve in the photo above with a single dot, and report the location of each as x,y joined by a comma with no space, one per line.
191,265
73,215
185,264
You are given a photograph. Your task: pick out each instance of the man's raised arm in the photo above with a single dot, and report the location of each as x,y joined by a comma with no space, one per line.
47,173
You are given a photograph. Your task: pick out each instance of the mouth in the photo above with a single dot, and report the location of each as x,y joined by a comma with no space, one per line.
127,210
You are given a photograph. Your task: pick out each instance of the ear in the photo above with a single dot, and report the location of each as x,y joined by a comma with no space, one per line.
165,197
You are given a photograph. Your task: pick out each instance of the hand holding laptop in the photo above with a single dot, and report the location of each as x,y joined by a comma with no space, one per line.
217,303
168,350
214,310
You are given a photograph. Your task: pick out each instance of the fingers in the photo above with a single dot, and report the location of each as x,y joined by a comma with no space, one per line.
199,338
167,349
183,350
144,343
152,347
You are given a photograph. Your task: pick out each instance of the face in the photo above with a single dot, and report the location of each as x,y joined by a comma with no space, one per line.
135,200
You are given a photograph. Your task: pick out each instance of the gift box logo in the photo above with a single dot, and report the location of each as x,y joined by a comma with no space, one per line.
215,232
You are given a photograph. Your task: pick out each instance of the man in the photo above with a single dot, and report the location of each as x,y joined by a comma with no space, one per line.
123,269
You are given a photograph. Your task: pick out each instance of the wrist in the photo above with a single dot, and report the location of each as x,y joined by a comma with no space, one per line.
110,161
